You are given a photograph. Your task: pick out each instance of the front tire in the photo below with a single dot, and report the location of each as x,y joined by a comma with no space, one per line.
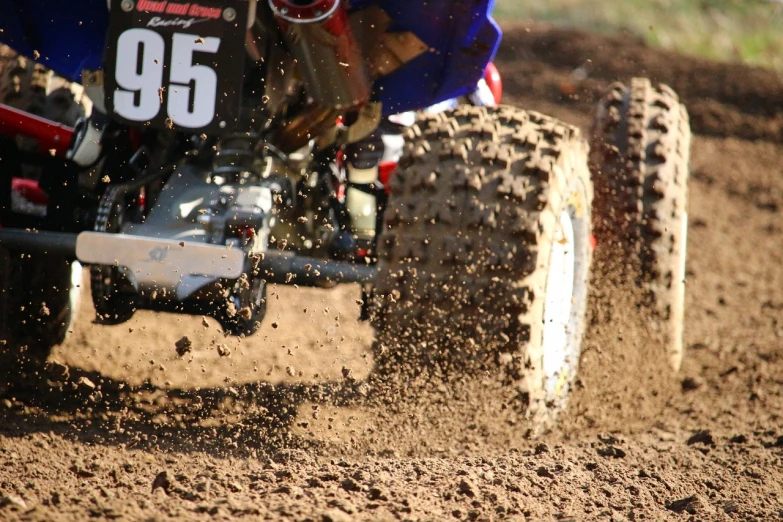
486,252
113,297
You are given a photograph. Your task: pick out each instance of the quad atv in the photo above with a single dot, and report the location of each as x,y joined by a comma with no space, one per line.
236,143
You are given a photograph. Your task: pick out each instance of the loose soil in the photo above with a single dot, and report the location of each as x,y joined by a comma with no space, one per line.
284,428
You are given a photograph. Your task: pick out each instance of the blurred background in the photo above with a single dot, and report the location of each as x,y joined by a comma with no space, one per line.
748,31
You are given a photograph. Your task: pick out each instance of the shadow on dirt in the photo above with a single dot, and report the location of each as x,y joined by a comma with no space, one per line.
261,419
245,419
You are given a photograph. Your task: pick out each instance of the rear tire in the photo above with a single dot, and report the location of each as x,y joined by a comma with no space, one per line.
36,308
23,83
38,292
640,155
487,204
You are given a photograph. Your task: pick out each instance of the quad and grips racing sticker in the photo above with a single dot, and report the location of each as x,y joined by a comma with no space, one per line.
176,64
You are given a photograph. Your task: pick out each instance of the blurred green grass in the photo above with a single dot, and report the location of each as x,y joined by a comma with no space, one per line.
749,31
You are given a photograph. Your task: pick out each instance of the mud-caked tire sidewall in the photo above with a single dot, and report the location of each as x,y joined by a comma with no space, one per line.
640,158
469,231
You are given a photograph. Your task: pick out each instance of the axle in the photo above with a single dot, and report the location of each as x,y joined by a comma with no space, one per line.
274,267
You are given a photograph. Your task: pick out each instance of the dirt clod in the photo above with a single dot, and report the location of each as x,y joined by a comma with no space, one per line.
543,472
183,346
691,383
611,451
685,505
466,488
161,481
58,372
378,493
739,439
87,383
14,501
351,485
730,507
335,515
701,437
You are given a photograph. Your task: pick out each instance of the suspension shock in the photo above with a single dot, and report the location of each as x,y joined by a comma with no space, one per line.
328,56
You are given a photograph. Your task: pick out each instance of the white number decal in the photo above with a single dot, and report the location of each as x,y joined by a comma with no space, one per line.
192,93
145,78
182,73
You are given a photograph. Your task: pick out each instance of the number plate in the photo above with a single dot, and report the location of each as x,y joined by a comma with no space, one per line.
176,65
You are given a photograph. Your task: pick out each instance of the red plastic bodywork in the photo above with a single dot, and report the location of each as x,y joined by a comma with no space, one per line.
29,190
494,81
50,135
385,171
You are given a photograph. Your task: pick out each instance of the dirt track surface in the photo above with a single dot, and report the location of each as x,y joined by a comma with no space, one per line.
253,434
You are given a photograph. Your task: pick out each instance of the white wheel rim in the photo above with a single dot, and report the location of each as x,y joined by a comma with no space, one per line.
676,348
557,310
683,258
75,293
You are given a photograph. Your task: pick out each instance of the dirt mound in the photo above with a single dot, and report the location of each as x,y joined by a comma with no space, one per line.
571,67
132,430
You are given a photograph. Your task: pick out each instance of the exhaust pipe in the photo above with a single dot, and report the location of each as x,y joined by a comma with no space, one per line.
331,64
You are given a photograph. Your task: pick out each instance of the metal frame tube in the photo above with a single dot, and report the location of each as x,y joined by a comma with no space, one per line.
54,243
280,267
